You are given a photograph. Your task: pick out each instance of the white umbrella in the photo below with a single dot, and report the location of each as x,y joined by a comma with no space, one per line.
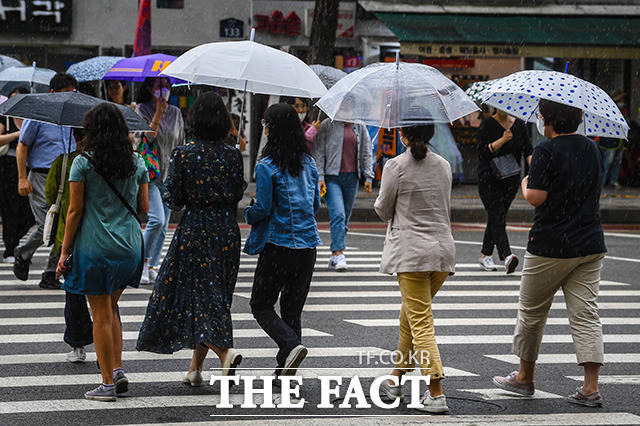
399,94
328,75
518,95
28,76
249,66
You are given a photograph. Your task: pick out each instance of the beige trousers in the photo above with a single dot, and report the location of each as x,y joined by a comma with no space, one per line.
579,279
417,342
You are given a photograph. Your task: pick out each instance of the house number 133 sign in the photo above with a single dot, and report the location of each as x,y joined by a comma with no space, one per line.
231,28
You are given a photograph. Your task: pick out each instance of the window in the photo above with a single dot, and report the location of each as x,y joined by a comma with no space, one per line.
170,4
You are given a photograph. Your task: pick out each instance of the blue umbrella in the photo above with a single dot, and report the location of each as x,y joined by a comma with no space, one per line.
94,68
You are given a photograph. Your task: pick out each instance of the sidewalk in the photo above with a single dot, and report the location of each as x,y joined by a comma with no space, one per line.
616,206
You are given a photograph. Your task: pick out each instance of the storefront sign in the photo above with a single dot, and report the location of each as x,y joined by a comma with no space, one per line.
437,63
278,23
35,16
231,28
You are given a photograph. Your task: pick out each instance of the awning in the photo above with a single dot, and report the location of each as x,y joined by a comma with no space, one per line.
620,31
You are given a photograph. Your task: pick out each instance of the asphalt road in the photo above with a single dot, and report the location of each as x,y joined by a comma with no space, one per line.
346,316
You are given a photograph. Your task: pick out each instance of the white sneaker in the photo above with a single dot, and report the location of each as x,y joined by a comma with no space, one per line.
193,379
153,274
511,263
487,263
9,259
435,405
339,263
77,355
144,279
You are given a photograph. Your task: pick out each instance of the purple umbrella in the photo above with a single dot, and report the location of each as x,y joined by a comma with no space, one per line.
140,67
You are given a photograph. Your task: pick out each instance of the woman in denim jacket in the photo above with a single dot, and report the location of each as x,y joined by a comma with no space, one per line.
284,232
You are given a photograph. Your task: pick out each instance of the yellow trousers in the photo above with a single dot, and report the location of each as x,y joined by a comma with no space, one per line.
417,342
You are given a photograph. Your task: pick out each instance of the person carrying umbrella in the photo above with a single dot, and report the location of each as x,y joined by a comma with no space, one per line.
39,145
168,132
310,129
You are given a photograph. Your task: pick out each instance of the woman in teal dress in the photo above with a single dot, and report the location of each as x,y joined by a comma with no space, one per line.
190,306
105,237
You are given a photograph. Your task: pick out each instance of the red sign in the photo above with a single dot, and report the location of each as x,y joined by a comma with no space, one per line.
351,62
277,23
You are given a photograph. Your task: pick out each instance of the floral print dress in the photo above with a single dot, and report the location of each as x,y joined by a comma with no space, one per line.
191,299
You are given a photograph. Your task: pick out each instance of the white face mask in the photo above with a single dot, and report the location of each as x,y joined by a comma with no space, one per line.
402,141
163,93
540,126
301,116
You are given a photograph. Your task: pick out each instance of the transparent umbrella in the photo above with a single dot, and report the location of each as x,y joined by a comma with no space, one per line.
518,94
8,61
25,76
399,94
328,75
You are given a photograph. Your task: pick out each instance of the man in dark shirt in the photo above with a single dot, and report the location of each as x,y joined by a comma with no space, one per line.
565,250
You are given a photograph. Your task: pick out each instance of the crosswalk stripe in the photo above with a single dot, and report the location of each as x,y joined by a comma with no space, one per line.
125,319
614,379
360,274
481,322
314,352
177,376
342,307
633,358
495,394
238,333
445,293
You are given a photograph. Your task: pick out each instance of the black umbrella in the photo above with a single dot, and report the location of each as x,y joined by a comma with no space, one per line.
64,109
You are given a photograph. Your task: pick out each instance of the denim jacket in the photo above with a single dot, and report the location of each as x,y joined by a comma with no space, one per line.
285,207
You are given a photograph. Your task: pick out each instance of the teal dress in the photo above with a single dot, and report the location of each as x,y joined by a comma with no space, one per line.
107,248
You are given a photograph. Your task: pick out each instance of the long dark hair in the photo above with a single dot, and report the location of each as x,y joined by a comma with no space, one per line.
208,118
285,142
107,138
143,94
418,137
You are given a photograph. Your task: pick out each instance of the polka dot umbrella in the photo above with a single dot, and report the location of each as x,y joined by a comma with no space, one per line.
518,95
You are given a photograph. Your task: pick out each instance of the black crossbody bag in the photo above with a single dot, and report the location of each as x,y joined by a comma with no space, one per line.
505,166
69,260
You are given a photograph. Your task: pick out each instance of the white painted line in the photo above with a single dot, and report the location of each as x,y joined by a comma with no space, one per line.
621,235
499,394
52,358
177,376
445,293
238,333
334,274
613,379
508,339
482,322
355,307
623,259
40,292
125,319
633,358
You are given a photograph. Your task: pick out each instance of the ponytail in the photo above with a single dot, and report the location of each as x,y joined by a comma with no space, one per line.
418,137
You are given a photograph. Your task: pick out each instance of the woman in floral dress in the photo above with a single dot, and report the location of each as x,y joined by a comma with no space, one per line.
190,306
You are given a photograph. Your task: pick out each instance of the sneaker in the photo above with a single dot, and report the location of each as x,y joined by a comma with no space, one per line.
390,393
153,274
120,381
487,263
231,361
339,263
193,379
591,400
509,383
9,259
20,266
511,263
49,281
77,355
102,393
435,404
144,279
294,359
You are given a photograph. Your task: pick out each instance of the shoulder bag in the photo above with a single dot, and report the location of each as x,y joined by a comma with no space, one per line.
53,214
149,152
505,166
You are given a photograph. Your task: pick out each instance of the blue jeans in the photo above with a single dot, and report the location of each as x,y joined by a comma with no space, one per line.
157,225
612,163
341,195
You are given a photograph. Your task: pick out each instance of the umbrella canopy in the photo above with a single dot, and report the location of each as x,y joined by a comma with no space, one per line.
518,94
140,67
476,88
397,94
64,109
328,75
94,68
25,76
8,61
247,65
